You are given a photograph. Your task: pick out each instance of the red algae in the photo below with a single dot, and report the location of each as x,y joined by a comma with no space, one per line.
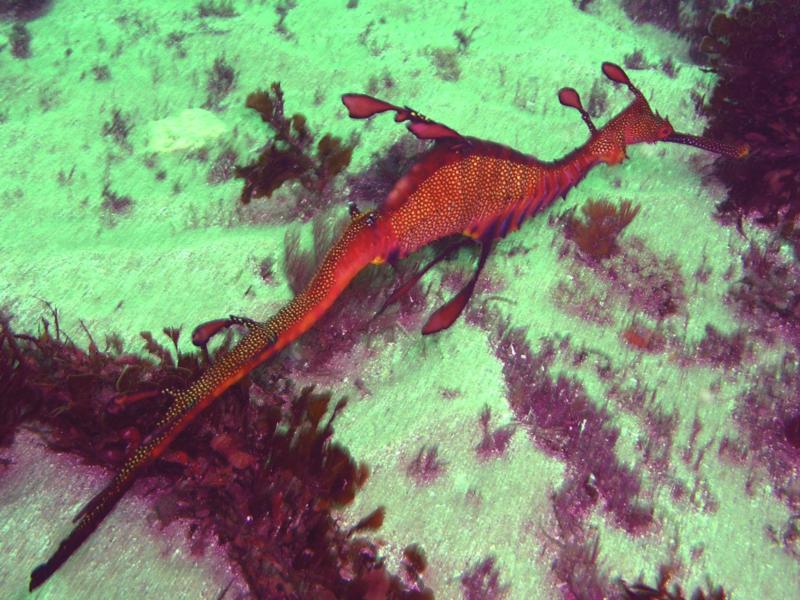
575,567
768,293
644,339
755,52
720,350
596,235
482,582
766,415
292,155
261,480
667,589
426,467
633,278
494,442
562,421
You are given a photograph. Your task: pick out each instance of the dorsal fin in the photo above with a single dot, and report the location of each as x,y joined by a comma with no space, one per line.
362,106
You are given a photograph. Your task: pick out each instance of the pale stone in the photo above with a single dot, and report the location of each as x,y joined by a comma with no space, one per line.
190,129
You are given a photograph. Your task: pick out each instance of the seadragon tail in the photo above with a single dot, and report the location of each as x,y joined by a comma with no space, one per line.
365,241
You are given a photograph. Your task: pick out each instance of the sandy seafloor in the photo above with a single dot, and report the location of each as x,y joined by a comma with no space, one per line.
187,252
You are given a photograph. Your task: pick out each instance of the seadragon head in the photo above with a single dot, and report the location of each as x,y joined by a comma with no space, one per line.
638,124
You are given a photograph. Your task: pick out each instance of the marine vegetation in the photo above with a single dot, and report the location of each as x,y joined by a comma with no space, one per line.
289,156
755,51
260,474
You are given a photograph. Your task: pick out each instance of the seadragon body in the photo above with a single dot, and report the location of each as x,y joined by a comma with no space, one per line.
476,188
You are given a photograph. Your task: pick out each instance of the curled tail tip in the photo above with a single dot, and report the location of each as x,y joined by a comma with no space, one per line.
39,575
86,522
65,550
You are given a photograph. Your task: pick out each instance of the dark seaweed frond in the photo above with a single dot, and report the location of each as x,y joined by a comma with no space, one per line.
482,581
20,39
223,9
756,54
292,154
562,420
426,466
221,78
118,129
667,590
260,473
596,234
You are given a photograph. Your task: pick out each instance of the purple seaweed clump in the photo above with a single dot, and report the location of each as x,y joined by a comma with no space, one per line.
756,54
689,18
114,204
721,350
562,420
493,443
20,39
426,467
651,285
657,447
118,129
23,10
575,566
482,582
664,14
668,590
768,417
223,166
791,429
221,78
768,294
632,276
